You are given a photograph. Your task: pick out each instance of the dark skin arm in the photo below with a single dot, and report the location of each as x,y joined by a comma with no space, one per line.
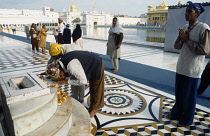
61,82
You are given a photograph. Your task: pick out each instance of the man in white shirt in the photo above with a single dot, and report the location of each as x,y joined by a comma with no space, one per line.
193,44
81,67
60,31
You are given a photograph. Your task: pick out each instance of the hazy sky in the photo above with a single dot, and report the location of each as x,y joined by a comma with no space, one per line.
129,7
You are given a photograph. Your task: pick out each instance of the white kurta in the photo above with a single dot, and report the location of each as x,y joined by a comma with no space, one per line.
111,48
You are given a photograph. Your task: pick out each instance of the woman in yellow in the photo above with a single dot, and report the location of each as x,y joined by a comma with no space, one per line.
42,37
8,29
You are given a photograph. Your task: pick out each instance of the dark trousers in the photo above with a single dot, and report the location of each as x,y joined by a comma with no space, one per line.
60,38
205,80
185,95
56,38
97,91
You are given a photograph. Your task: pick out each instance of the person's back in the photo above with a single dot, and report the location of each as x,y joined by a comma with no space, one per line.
67,36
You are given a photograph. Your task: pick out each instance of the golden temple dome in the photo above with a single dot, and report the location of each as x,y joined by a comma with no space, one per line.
73,6
150,6
162,6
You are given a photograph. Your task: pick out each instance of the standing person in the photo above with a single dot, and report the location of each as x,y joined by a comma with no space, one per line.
38,28
27,32
1,29
67,35
205,79
13,29
55,32
192,42
42,37
82,66
114,42
77,35
60,31
34,41
8,29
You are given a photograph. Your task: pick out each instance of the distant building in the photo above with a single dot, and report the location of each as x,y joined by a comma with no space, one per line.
71,14
130,21
95,18
157,16
25,16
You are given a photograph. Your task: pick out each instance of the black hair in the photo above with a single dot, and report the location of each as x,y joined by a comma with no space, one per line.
115,18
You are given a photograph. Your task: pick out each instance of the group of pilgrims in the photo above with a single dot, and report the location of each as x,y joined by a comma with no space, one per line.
83,67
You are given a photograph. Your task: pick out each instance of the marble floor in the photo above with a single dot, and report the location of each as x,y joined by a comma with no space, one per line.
131,108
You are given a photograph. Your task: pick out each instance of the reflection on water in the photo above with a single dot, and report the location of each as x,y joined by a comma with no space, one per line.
130,34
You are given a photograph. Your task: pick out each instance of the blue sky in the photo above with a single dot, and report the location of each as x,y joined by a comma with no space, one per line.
129,7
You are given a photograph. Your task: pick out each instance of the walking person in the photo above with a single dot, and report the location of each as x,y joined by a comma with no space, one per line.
42,38
205,79
81,66
55,32
77,36
114,42
60,31
193,46
67,35
34,41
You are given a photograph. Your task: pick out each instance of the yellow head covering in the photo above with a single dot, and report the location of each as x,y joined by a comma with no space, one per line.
55,49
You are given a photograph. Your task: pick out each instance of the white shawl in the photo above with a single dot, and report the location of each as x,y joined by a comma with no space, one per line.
117,29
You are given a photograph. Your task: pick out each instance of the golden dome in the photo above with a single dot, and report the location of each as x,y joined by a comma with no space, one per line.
162,6
179,3
73,6
150,6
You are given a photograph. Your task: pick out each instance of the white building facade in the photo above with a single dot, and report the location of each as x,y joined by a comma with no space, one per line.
71,14
95,18
22,17
14,17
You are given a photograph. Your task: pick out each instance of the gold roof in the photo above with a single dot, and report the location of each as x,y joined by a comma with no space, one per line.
162,6
73,6
150,6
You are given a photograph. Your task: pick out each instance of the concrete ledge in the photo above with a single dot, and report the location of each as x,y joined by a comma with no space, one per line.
59,124
30,114
81,123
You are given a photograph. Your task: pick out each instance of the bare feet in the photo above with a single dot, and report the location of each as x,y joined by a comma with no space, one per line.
92,112
180,125
169,116
114,71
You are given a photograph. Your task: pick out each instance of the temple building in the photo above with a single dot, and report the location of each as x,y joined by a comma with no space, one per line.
21,17
157,16
71,15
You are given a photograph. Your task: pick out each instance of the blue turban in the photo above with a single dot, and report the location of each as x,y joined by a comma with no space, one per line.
196,6
67,25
